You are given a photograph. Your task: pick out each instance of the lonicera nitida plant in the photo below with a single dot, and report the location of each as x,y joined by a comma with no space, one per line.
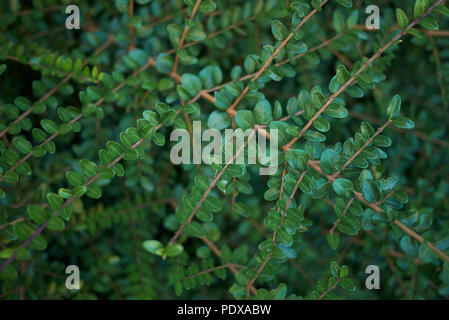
86,176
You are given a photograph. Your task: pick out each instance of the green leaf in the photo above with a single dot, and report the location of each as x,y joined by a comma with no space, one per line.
344,272
89,168
294,49
353,18
242,209
207,6
402,122
152,246
37,214
336,110
369,190
106,172
338,21
65,193
75,179
425,253
22,145
10,177
5,254
335,269
23,103
394,107
314,136
196,34
288,252
54,200
244,119
271,194
195,229
328,160
191,83
382,141
321,125
94,93
262,112
55,224
2,68
49,125
164,63
93,191
174,249
333,240
442,9
429,23
345,3
419,9
348,284
22,230
219,120
158,139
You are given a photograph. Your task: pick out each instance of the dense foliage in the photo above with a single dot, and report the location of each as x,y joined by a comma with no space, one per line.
86,177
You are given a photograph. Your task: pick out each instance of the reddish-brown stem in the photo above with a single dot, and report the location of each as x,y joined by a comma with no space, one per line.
420,239
329,289
131,28
366,144
284,172
72,198
223,266
342,215
376,208
418,134
218,254
78,117
150,62
28,12
55,88
273,242
251,75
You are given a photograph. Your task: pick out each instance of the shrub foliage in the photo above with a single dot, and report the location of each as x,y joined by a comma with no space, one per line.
85,171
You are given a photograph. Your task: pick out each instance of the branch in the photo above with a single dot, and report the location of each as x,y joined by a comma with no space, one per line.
329,289
206,193
218,254
376,208
72,198
368,142
55,88
184,34
267,63
342,215
224,266
355,75
273,242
